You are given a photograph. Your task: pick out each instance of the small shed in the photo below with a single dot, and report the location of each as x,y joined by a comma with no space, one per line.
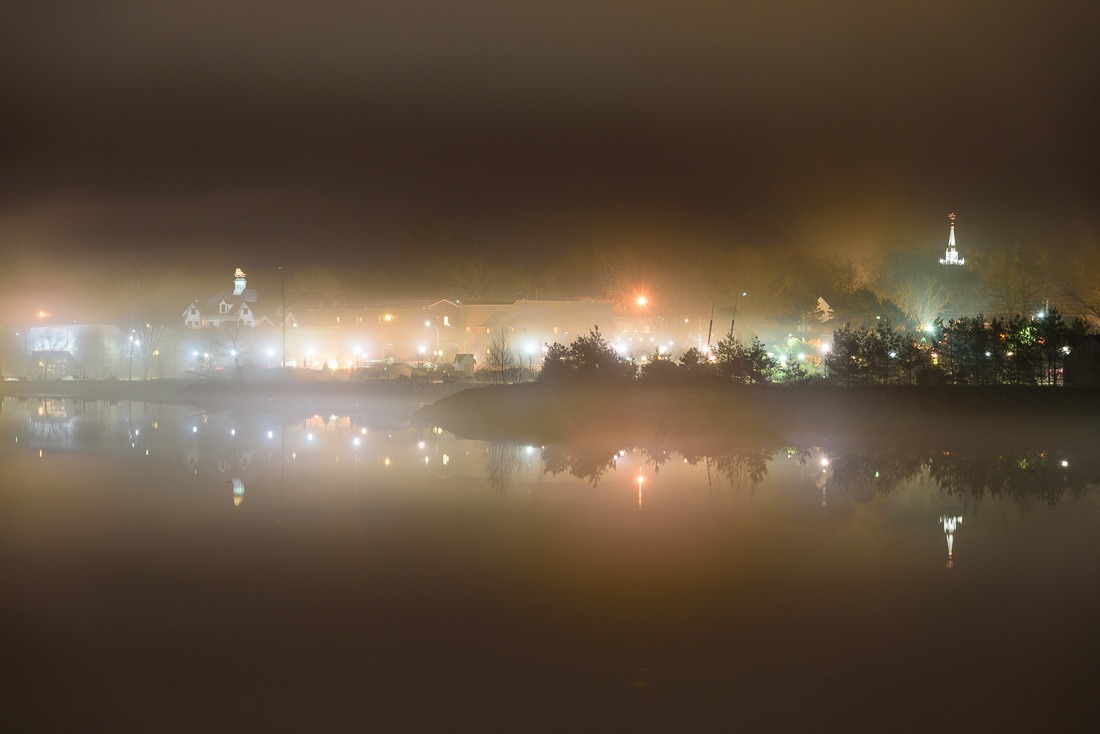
464,364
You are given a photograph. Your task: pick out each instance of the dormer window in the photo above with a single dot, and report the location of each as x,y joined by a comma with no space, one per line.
223,308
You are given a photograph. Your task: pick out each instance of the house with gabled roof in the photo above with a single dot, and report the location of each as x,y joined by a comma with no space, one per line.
234,307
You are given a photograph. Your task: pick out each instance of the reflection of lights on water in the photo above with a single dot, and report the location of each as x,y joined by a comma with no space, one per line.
950,523
641,482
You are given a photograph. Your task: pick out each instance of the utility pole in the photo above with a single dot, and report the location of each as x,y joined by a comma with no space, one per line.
285,305
282,311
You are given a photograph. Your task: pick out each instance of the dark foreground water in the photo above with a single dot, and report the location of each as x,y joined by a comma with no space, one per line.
163,568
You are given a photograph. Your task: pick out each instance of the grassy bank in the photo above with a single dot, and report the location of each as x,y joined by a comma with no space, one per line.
768,415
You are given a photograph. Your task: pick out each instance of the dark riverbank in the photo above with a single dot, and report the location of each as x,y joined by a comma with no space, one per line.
637,414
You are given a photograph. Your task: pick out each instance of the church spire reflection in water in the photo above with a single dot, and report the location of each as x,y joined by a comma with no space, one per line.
950,522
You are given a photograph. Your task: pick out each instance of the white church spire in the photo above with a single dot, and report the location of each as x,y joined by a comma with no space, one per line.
951,257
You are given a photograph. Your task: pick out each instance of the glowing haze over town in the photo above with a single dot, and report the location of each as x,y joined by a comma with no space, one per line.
504,366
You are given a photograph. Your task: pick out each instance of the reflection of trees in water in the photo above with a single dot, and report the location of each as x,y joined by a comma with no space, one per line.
1023,476
584,461
744,469
1028,476
867,472
655,457
500,463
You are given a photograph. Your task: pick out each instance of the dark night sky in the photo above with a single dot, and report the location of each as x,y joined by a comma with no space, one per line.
241,127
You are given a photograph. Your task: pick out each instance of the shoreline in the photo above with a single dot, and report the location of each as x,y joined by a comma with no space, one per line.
202,392
770,415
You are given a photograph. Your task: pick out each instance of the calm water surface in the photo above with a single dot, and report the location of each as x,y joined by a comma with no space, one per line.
166,568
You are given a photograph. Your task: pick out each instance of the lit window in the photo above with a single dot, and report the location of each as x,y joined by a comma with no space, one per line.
446,320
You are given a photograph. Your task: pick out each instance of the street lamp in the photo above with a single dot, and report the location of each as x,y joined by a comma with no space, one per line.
436,351
133,342
530,359
736,303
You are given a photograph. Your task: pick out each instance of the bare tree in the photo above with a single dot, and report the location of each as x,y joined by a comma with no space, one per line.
1077,287
922,298
1015,279
500,362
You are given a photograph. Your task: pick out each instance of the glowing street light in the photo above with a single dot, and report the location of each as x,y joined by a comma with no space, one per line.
133,342
437,352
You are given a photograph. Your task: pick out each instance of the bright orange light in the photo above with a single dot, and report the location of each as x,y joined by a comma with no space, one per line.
641,300
42,314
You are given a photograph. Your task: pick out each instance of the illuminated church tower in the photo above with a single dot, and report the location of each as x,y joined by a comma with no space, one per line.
952,255
239,276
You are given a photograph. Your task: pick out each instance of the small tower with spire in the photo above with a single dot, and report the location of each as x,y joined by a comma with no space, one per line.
952,255
239,281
